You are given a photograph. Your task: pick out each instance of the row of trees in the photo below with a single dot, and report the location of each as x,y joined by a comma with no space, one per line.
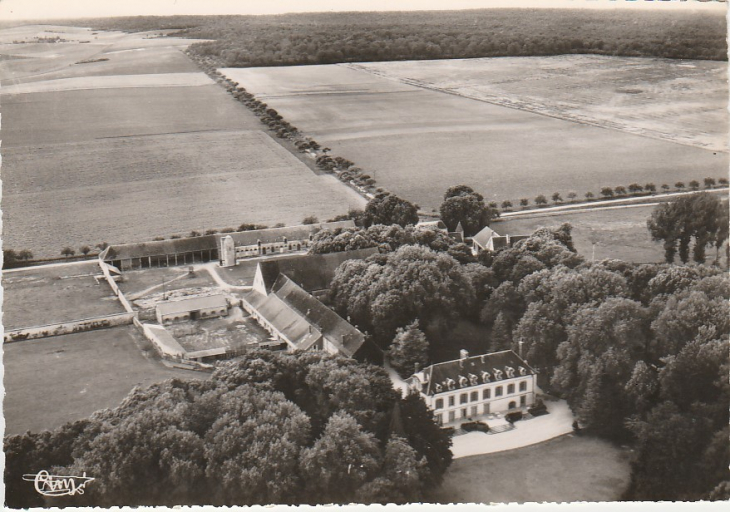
268,428
635,189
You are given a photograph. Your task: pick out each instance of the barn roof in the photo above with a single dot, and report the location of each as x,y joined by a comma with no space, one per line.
483,237
440,373
332,326
192,304
211,242
312,272
285,319
161,247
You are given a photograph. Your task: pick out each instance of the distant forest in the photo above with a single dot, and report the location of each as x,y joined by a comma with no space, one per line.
328,38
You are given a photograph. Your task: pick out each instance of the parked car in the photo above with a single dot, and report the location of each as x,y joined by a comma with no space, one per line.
479,426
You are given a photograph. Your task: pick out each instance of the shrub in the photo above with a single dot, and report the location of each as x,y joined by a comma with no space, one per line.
709,182
540,200
620,191
650,187
524,201
694,184
310,220
607,192
557,198
679,185
589,195
506,204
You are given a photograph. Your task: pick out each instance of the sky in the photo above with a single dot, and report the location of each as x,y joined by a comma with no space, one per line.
11,10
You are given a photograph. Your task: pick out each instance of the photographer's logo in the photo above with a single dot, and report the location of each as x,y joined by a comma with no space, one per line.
56,485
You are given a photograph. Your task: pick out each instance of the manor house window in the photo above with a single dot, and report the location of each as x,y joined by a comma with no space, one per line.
523,385
439,403
510,389
486,394
464,398
498,391
474,396
451,401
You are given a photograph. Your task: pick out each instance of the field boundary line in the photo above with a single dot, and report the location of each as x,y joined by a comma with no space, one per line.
514,105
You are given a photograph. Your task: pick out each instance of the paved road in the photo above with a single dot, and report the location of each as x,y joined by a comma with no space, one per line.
606,204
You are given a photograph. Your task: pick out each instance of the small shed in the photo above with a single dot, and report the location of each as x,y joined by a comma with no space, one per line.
195,308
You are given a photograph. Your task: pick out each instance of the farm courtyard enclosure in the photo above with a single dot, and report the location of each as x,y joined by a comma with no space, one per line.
120,138
509,127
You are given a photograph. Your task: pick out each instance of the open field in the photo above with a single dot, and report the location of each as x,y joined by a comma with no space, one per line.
618,233
135,188
565,469
133,144
51,381
417,142
46,295
676,100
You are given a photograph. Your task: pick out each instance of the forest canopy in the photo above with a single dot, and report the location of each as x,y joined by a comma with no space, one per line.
267,428
328,38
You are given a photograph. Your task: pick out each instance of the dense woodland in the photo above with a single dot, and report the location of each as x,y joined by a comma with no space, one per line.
268,428
639,351
326,38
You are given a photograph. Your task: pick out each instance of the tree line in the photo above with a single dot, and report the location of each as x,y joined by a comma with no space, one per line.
327,38
267,428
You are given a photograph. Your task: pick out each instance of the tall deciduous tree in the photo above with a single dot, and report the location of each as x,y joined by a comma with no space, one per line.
409,350
462,204
390,209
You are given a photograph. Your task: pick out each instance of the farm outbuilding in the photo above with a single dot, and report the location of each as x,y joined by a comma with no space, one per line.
192,309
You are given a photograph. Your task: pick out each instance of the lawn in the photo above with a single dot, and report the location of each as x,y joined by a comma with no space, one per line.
53,294
618,233
418,141
565,469
51,381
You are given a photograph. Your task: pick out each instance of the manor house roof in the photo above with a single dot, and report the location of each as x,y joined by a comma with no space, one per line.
455,371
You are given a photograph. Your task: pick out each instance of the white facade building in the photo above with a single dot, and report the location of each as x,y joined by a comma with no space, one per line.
470,388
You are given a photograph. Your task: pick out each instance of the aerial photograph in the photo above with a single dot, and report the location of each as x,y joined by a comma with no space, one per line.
364,252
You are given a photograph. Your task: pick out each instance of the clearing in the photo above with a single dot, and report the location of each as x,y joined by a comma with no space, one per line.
566,469
52,294
51,381
418,140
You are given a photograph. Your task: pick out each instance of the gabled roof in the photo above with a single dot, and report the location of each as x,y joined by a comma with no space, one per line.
312,272
269,273
483,237
285,319
212,242
192,304
432,224
161,247
271,235
333,327
440,373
